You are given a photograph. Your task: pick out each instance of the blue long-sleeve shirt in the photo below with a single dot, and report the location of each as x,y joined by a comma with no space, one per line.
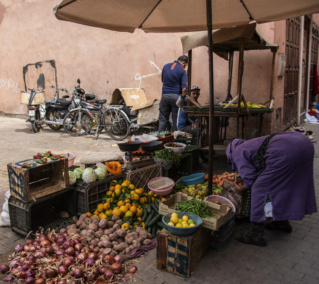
174,78
183,119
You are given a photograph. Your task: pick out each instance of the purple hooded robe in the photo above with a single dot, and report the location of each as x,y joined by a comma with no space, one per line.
287,178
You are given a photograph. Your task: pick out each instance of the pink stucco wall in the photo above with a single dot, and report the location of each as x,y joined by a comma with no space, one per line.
105,60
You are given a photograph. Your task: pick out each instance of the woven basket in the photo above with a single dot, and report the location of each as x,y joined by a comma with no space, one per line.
161,185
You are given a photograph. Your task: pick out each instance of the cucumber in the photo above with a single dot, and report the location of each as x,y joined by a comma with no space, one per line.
149,218
149,230
145,213
154,207
154,231
149,208
155,219
160,224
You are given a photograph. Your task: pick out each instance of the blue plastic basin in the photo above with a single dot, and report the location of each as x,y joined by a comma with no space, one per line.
195,179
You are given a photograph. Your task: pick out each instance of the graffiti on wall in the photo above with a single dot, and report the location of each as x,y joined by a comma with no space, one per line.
9,85
39,75
139,78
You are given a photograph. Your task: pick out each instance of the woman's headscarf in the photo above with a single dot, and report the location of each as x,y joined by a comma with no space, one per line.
230,150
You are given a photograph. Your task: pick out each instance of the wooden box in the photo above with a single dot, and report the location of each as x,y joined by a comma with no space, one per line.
180,254
38,99
29,184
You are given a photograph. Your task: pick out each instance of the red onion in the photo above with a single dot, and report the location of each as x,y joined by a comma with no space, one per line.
27,248
39,254
133,269
100,281
22,275
29,280
19,248
116,267
52,238
42,237
50,273
76,253
62,281
92,255
78,272
23,254
118,258
90,261
45,243
29,241
102,270
76,241
49,250
101,255
96,249
60,240
31,273
68,261
14,263
9,278
109,259
78,246
82,256
70,251
4,268
25,267
31,257
108,274
39,281
63,270
59,252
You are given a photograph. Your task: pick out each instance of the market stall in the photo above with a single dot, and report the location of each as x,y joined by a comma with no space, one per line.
226,42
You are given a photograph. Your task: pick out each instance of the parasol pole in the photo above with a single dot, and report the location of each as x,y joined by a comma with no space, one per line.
211,94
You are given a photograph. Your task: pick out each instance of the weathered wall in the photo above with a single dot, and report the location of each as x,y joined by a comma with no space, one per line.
37,50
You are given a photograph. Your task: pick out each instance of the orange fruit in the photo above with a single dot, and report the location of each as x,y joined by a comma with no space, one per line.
120,203
153,199
139,218
100,207
127,181
125,226
118,191
139,190
139,212
131,186
125,184
88,214
135,197
163,199
133,209
143,200
128,214
109,193
112,188
106,205
117,187
116,211
96,212
108,212
123,208
128,205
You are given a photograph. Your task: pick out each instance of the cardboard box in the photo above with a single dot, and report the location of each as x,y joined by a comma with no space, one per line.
212,223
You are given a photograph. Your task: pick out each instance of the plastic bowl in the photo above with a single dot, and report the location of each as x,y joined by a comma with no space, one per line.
70,157
195,179
162,186
178,150
179,231
221,200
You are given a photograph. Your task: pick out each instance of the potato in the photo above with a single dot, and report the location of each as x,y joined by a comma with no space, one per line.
98,234
105,238
119,222
116,226
79,223
114,218
103,223
147,242
121,233
82,217
118,248
93,227
110,224
107,251
113,237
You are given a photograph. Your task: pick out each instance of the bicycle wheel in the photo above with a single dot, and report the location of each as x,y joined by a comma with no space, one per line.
77,123
90,123
116,124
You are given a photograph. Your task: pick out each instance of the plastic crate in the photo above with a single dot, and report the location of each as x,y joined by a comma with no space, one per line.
43,212
220,239
142,176
89,195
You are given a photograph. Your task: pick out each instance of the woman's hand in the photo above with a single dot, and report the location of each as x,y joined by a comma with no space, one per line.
239,186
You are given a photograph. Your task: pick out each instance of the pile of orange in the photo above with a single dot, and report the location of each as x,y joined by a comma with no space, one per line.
126,201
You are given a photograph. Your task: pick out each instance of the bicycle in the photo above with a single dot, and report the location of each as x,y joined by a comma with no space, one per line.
90,117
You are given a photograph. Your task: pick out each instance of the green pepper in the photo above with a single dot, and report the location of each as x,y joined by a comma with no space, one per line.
39,161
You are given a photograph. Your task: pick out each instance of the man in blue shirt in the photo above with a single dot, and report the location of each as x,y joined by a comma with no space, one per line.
174,78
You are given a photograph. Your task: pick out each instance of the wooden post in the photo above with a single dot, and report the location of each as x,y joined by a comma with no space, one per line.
240,79
272,78
189,72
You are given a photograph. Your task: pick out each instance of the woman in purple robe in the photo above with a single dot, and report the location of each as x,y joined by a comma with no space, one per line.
280,167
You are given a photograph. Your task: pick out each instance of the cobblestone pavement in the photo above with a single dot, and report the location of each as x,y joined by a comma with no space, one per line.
288,258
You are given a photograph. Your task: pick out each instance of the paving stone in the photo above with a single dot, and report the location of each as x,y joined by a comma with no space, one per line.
11,235
308,279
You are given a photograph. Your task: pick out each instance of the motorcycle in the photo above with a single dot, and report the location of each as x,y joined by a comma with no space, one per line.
53,112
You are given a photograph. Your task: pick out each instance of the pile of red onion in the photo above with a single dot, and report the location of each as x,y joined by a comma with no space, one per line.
58,258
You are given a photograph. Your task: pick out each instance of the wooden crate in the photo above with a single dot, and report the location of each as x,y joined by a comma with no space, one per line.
30,184
180,254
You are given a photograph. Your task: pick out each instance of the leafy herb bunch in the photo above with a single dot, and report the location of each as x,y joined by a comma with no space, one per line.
168,156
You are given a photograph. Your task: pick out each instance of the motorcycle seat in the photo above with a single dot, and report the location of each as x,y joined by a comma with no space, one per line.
100,102
89,97
65,96
63,102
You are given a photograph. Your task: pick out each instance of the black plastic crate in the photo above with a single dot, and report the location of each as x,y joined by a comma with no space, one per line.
220,239
89,195
43,212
